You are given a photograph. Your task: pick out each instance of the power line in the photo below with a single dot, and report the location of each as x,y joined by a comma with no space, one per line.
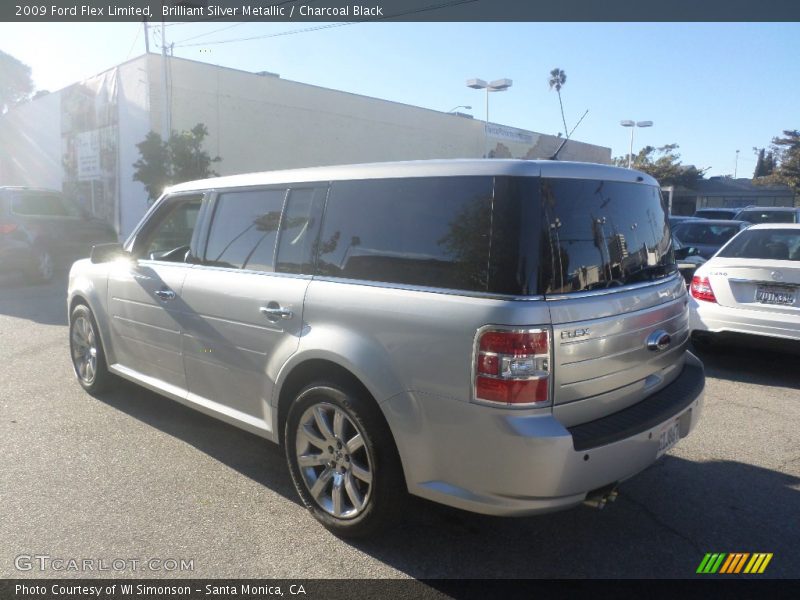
136,39
194,37
333,25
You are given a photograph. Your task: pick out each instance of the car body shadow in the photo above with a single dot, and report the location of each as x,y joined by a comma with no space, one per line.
252,456
44,303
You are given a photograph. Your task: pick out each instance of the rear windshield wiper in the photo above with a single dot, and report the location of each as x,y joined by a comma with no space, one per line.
651,273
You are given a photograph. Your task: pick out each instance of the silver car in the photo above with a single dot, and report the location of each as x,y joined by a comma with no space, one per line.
506,337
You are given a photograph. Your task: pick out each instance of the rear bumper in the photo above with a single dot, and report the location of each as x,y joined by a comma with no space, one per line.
714,318
506,463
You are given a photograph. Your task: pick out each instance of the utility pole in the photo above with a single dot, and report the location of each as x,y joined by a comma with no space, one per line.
146,37
166,126
736,166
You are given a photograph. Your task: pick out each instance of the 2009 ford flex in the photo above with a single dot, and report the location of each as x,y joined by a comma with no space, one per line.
506,337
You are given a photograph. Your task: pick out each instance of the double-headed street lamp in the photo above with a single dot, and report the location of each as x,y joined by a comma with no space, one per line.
498,85
633,125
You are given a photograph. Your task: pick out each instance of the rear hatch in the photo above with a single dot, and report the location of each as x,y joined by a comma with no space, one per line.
617,302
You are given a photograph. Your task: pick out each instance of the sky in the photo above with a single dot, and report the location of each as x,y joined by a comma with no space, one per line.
711,88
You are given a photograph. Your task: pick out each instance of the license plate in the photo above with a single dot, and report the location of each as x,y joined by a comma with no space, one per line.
775,295
668,437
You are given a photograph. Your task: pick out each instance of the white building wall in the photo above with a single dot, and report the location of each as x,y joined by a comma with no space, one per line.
30,144
133,101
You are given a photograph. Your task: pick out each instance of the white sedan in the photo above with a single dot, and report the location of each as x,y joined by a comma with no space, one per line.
751,286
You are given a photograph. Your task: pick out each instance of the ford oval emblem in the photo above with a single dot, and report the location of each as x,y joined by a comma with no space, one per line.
776,275
658,341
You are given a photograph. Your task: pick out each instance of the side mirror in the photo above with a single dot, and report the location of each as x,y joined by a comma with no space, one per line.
692,251
102,253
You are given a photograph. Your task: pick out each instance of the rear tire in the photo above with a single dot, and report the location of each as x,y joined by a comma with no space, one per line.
343,460
86,351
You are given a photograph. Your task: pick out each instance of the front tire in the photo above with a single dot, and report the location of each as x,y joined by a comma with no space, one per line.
86,350
343,460
43,268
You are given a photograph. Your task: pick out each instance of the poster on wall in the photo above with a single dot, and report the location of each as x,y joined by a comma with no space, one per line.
89,138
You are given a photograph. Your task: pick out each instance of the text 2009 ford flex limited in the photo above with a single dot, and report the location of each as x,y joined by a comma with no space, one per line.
506,337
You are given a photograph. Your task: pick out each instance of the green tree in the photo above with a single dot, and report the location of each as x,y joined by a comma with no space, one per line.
16,84
765,163
663,163
787,151
556,81
181,158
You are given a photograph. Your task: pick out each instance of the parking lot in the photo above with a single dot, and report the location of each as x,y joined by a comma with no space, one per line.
134,475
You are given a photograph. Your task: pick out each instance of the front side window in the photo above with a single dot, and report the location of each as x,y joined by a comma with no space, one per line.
170,237
601,234
431,232
244,229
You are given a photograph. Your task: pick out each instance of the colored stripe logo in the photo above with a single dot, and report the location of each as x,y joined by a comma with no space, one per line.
734,563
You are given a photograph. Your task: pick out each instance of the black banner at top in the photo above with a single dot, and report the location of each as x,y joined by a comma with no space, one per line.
305,11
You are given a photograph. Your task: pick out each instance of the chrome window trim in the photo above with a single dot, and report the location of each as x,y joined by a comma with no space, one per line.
432,290
613,290
248,271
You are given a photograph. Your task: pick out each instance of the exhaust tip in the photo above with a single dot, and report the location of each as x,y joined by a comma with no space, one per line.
600,497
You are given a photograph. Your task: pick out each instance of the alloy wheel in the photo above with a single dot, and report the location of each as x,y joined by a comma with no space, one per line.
333,460
84,349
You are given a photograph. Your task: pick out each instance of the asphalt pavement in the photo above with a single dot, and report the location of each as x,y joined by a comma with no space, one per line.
133,476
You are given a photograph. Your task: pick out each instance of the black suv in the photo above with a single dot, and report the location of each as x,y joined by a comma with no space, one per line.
42,230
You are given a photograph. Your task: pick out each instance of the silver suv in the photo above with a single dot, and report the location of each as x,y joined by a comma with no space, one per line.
506,337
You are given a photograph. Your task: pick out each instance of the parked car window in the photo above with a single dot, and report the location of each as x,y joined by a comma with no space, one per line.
716,213
703,233
172,235
774,244
599,234
244,229
424,231
300,229
768,216
43,204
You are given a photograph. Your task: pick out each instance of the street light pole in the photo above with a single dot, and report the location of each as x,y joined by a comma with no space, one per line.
498,85
633,125
736,166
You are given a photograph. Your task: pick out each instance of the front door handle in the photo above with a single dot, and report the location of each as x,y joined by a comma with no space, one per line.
274,311
165,294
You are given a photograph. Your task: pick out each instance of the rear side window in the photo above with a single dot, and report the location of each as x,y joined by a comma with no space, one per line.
43,204
431,232
299,230
244,229
768,244
602,234
768,216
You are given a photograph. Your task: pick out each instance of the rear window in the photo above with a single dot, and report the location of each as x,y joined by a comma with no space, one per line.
602,234
770,244
707,213
43,204
768,216
705,233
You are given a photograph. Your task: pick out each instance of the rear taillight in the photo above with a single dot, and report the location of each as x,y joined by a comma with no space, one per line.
512,367
8,227
701,289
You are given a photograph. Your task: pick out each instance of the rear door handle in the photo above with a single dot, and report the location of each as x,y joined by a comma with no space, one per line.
273,311
165,294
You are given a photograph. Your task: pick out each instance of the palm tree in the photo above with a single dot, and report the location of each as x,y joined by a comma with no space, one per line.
557,79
